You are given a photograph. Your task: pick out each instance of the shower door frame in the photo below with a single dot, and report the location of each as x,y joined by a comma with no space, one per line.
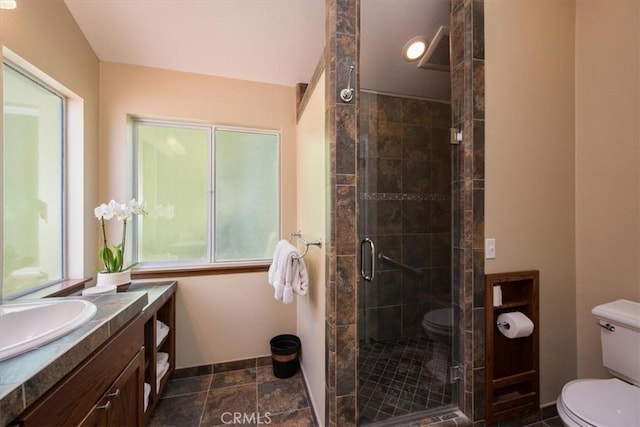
467,52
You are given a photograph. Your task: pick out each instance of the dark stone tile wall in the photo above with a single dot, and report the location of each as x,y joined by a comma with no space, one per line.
467,87
341,52
405,190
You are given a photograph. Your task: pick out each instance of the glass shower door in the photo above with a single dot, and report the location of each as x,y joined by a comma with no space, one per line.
405,298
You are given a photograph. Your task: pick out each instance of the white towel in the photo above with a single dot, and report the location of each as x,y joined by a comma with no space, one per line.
274,270
161,370
147,392
162,358
279,266
162,331
301,284
288,273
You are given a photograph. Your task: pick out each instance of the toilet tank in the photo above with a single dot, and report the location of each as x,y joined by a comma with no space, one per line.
620,336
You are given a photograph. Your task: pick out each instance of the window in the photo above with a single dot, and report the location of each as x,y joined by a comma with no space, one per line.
211,193
32,181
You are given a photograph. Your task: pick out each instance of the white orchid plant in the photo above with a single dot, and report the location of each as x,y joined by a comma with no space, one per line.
113,258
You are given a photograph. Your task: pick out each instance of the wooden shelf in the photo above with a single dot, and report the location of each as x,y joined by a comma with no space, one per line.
512,365
512,304
165,314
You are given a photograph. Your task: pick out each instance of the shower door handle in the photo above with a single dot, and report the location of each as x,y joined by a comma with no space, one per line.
372,259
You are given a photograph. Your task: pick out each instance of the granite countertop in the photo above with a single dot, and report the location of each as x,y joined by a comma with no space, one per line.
25,378
157,292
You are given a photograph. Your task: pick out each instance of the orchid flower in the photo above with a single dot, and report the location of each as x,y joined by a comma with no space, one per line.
113,259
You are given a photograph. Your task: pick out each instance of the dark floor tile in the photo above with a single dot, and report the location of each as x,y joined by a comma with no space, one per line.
282,395
222,403
190,385
192,372
179,411
300,418
265,373
234,366
553,422
233,378
264,361
549,411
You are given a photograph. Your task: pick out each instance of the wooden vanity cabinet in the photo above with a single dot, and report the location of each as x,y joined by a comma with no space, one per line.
120,405
104,390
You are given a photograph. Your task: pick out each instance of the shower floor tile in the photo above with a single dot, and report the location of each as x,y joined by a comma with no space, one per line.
402,376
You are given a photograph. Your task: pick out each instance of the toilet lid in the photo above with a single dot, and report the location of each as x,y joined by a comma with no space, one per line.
439,317
611,402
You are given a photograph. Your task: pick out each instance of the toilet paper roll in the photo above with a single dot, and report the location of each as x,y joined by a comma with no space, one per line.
497,296
515,325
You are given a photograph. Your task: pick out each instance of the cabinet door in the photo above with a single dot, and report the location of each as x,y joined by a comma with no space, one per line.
74,399
98,415
127,394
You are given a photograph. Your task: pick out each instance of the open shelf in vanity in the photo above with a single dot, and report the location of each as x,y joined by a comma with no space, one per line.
159,343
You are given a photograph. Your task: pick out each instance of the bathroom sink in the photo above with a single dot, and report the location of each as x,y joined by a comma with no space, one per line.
29,325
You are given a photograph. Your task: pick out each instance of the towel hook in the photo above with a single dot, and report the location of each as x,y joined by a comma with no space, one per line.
347,94
298,235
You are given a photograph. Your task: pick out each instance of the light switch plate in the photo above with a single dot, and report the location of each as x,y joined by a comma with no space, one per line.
489,248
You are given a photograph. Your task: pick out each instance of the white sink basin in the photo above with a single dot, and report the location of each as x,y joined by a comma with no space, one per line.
29,325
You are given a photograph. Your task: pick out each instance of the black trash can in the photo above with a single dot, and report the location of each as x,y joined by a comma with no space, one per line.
284,355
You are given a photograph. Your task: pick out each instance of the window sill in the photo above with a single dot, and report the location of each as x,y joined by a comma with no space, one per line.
61,289
206,270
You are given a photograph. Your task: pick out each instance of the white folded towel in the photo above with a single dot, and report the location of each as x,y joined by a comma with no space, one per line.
161,370
147,392
288,273
162,358
301,283
162,331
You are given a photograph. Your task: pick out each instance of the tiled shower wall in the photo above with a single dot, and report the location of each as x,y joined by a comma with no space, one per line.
467,48
405,192
467,100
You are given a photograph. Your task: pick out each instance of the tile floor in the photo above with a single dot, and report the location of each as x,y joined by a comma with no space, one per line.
210,395
213,396
400,377
549,422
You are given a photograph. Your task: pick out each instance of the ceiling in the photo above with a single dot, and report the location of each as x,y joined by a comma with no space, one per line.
271,41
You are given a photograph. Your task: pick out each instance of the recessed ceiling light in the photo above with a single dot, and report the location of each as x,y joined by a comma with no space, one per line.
415,48
8,4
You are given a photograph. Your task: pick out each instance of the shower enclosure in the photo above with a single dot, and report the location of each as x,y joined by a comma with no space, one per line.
406,328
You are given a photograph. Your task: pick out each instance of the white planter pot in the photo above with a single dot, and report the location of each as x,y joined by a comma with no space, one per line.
116,279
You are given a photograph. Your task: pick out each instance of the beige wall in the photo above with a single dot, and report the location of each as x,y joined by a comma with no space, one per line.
311,209
607,165
44,34
224,317
530,170
228,317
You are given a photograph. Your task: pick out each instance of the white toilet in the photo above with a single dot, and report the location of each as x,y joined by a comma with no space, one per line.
613,402
438,324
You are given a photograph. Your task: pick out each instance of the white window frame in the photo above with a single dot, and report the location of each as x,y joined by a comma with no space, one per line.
29,72
212,128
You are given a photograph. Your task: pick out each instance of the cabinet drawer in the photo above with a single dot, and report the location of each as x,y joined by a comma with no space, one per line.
69,402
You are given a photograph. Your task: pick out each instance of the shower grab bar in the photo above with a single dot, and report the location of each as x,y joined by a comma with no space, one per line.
399,264
298,235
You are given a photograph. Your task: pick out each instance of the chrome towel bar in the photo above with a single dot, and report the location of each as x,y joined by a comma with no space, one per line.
298,235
